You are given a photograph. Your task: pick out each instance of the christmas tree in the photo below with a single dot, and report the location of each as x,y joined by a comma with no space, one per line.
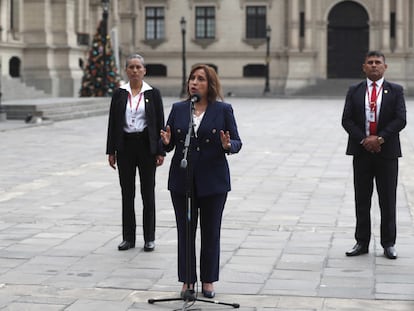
98,67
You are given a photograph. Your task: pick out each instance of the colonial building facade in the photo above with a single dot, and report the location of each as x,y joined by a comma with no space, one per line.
281,45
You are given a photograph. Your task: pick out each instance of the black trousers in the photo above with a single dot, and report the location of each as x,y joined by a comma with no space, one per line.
367,168
210,209
137,154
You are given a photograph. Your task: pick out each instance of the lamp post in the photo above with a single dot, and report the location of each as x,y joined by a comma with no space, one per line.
104,31
183,23
3,114
268,31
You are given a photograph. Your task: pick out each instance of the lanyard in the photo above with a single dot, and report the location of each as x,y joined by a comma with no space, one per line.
130,101
373,105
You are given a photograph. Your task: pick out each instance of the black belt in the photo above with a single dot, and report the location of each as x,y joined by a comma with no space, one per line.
136,134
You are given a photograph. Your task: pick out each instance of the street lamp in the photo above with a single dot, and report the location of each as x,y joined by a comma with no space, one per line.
3,114
104,31
268,31
183,29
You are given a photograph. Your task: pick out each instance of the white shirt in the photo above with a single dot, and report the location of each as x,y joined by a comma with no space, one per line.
197,121
368,93
135,120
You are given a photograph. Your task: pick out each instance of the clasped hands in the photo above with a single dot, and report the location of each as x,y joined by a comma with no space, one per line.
372,144
224,137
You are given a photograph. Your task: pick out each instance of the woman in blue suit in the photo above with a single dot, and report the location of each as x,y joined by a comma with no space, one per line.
215,135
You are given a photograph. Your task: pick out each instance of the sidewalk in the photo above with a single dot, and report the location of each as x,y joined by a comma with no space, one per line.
287,224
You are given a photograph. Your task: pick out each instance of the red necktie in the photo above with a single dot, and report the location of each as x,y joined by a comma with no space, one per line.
373,108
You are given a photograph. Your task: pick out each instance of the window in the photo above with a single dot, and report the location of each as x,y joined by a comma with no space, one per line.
14,67
156,70
256,22
154,23
392,24
205,22
254,70
83,38
302,24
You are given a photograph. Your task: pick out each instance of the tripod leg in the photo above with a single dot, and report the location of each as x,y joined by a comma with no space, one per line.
152,301
234,305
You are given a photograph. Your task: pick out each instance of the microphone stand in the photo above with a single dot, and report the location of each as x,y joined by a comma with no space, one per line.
189,296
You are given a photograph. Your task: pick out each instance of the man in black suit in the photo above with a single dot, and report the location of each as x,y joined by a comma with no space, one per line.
374,114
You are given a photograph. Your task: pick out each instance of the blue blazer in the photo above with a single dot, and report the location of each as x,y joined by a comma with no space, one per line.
206,156
391,119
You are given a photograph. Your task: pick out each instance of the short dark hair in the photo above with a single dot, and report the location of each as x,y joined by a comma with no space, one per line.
375,53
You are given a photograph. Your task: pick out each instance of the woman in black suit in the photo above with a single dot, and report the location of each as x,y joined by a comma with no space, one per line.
215,135
136,117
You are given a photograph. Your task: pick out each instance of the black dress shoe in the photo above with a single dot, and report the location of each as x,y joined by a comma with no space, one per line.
390,252
125,245
149,246
357,250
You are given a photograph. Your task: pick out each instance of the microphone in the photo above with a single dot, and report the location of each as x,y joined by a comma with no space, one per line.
195,98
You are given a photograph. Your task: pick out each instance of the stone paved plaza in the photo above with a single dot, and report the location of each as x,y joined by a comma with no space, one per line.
287,224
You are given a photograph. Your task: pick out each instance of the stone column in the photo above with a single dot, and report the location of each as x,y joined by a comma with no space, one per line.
386,44
308,25
38,61
66,52
400,22
51,58
4,21
294,25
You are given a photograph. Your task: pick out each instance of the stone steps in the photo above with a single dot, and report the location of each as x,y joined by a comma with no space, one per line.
14,88
328,88
57,109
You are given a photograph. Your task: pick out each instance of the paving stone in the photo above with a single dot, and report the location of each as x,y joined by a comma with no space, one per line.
288,220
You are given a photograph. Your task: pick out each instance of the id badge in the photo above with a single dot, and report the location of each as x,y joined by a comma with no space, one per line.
131,121
371,116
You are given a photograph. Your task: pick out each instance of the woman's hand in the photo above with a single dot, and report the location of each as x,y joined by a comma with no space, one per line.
225,140
166,135
112,161
159,160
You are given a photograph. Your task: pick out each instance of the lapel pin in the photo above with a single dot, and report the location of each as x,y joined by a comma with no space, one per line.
385,91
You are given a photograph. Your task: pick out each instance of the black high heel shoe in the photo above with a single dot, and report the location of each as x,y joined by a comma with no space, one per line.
207,293
188,294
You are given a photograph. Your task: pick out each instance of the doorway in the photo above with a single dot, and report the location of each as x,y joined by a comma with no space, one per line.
348,40
14,67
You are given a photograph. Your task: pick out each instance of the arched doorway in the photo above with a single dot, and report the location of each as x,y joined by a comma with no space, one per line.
14,67
348,40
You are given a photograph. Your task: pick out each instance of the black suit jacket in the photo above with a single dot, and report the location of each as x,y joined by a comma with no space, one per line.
391,119
154,112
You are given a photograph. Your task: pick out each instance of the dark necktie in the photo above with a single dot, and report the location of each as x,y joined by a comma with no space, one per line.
373,108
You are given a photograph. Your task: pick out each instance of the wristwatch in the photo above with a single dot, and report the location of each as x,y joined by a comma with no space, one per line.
381,140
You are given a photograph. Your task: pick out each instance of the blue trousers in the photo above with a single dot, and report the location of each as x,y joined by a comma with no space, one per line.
210,209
